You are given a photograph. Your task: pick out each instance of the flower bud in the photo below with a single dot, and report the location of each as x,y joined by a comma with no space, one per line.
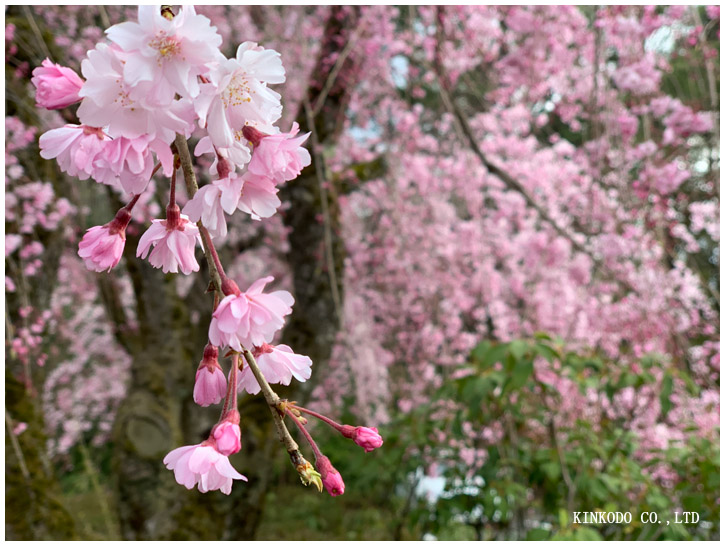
368,438
331,478
227,434
210,385
56,86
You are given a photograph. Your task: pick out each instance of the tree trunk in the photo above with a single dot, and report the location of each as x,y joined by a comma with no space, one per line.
32,508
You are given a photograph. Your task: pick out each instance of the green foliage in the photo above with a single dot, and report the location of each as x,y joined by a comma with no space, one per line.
544,468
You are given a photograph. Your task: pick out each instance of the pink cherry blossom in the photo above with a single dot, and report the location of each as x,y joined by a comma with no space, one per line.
56,86
238,153
228,437
259,196
331,478
250,318
212,201
281,156
204,466
210,384
173,245
237,94
101,249
20,428
128,163
170,54
278,365
74,147
127,111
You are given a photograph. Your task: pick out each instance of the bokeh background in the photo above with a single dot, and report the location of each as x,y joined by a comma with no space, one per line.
505,255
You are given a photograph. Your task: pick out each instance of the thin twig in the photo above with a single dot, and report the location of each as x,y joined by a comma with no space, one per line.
564,469
95,483
321,171
36,31
273,402
344,54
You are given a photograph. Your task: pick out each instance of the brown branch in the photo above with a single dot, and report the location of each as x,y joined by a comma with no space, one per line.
564,469
273,401
192,187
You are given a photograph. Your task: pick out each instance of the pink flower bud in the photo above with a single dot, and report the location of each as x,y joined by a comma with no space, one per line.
211,385
367,438
331,478
57,86
228,437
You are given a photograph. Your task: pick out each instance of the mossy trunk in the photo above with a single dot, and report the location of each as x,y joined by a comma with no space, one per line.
32,507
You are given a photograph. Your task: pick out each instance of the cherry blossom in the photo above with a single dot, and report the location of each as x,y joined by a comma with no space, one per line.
210,384
330,476
108,101
168,53
281,156
228,437
237,94
279,364
56,86
74,147
259,196
250,318
367,438
212,201
202,465
173,243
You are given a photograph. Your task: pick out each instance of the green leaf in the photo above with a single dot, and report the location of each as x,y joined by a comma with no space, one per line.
538,534
518,348
479,351
494,355
521,373
665,393
545,351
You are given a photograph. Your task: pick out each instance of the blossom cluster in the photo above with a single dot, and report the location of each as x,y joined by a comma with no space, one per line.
159,77
155,82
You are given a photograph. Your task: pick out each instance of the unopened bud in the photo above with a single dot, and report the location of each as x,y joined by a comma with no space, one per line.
331,478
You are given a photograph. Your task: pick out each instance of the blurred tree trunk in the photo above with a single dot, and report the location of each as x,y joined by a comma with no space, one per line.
314,322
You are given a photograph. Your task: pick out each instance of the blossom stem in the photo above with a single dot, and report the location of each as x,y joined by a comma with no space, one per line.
333,424
172,189
156,169
132,202
230,401
306,434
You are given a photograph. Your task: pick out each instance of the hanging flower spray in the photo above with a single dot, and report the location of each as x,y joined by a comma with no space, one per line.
141,97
